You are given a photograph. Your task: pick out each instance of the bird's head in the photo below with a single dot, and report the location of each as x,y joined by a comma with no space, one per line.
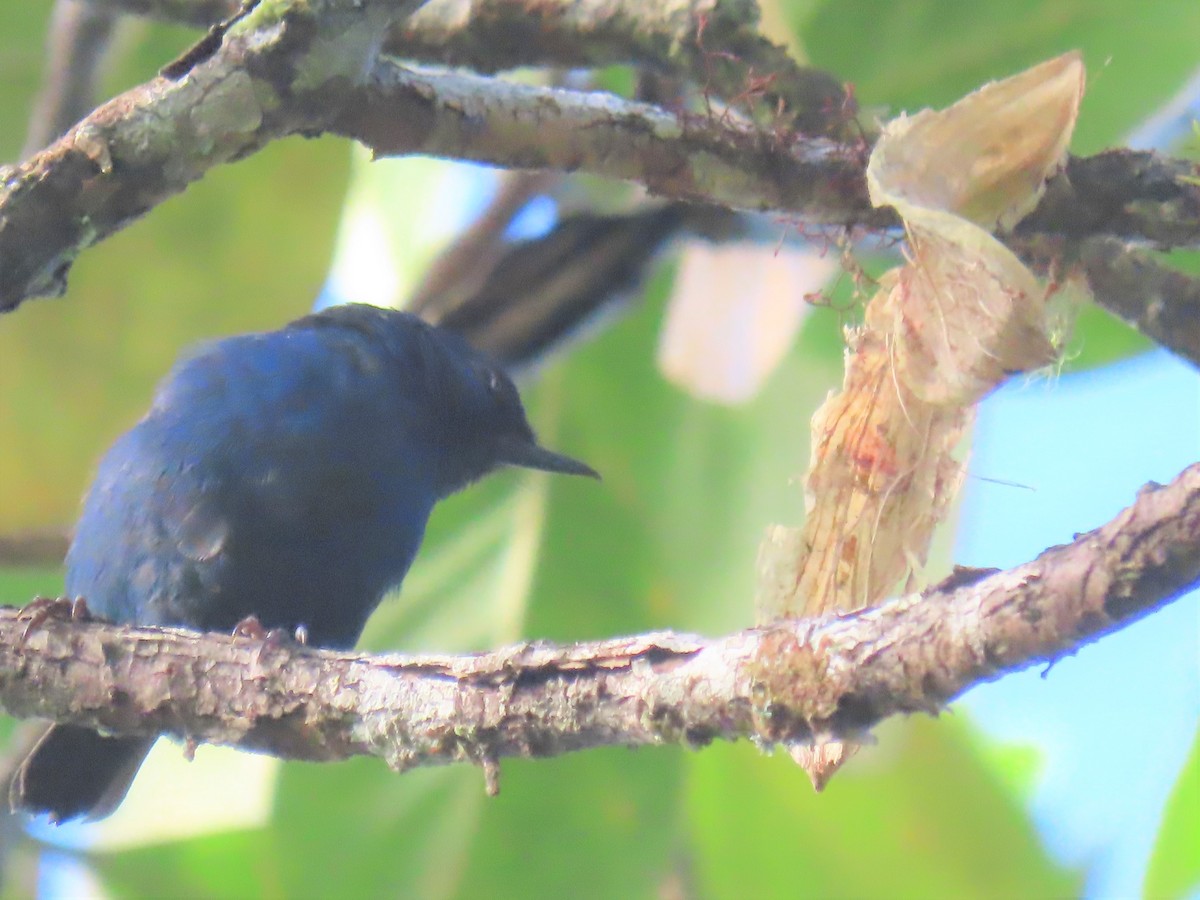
486,422
491,417
469,400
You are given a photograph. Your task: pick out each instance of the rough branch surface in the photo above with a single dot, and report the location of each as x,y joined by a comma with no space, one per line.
829,677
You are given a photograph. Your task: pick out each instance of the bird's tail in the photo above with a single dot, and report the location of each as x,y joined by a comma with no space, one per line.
73,772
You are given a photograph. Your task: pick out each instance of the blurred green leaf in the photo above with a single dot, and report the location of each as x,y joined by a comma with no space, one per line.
355,829
20,585
231,864
1174,870
918,815
1098,338
600,824
21,59
1018,765
929,53
18,863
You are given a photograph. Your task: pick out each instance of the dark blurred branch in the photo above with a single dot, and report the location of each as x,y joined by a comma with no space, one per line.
464,266
1133,194
1137,287
543,290
834,676
75,47
533,295
199,13
1160,302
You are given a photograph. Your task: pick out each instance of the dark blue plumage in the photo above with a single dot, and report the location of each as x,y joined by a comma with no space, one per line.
287,475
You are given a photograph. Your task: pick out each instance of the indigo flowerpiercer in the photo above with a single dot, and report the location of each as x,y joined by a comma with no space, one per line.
286,475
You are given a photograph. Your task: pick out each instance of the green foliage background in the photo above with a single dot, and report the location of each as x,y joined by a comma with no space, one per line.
667,541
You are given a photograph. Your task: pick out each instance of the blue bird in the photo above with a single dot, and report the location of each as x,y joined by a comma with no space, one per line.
286,475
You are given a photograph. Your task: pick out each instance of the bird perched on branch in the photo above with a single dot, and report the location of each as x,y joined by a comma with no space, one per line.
287,476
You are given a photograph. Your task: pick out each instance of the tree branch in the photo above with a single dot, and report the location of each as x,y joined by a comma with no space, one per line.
829,677
714,43
279,70
463,116
311,71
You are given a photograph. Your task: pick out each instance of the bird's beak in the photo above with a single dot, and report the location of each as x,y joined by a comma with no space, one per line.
517,451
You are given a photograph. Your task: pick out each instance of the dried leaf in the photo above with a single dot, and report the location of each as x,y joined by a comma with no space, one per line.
969,312
942,331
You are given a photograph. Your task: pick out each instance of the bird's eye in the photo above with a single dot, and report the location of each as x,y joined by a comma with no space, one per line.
501,388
